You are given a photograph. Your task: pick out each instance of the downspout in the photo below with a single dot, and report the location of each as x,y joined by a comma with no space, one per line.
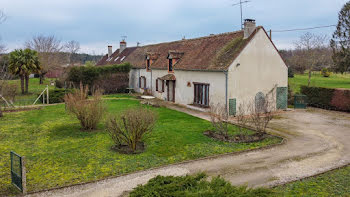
151,82
226,91
138,80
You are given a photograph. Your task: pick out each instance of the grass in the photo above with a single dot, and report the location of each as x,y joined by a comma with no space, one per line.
333,183
58,153
34,89
334,81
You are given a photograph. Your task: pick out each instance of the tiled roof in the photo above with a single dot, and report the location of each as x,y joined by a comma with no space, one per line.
116,58
168,77
215,52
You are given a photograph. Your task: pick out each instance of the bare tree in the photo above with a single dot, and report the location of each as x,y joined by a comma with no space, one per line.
72,48
2,19
49,48
312,47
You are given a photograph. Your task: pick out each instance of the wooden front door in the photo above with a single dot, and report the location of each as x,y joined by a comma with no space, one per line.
170,91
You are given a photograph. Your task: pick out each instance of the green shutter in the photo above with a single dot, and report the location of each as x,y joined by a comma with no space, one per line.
282,98
232,107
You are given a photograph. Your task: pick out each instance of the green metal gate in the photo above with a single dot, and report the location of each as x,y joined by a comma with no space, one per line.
300,101
16,170
282,98
232,107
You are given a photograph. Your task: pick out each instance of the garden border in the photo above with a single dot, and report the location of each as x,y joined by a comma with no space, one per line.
284,140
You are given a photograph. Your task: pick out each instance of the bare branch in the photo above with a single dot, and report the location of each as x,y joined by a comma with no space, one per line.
49,48
72,47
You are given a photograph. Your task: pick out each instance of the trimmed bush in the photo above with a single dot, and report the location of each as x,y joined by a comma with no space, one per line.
196,185
56,95
325,72
290,72
59,83
327,98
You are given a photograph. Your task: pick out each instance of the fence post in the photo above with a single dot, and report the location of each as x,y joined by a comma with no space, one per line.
47,91
24,176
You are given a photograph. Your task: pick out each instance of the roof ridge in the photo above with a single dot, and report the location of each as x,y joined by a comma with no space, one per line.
192,39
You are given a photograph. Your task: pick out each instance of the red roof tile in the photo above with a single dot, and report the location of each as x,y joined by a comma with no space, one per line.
215,52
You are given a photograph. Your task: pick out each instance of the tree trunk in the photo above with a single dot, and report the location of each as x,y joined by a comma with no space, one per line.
309,80
0,113
22,84
27,82
41,78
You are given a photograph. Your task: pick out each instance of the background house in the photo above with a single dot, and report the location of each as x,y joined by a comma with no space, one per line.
227,69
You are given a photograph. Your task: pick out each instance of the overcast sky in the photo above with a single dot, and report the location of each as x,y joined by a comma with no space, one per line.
98,23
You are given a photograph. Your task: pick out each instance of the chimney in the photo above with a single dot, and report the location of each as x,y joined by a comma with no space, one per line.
109,51
249,27
122,46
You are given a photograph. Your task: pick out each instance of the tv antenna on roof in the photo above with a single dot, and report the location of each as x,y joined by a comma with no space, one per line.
240,4
124,38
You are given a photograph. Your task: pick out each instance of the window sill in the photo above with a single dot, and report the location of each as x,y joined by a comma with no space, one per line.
199,105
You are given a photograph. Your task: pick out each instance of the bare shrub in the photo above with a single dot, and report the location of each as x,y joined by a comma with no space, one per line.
129,128
219,119
261,113
88,111
8,91
242,118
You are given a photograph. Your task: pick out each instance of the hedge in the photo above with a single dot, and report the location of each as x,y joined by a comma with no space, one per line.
89,74
56,95
327,98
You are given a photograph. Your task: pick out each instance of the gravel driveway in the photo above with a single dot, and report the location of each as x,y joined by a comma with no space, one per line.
317,141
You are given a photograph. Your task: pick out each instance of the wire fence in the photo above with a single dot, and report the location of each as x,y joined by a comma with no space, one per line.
21,100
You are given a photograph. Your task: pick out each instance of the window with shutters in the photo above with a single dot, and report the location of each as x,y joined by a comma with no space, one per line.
157,84
142,82
201,94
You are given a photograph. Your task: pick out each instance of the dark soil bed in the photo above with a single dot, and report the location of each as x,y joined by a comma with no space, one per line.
124,149
236,138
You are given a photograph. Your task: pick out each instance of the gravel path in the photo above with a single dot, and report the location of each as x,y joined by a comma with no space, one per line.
317,141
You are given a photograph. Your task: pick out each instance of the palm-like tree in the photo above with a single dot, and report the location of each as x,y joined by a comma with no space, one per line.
23,63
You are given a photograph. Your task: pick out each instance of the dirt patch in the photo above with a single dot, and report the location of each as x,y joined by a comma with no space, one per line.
237,138
124,149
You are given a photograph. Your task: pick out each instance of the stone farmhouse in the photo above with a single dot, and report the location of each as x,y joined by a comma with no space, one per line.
226,69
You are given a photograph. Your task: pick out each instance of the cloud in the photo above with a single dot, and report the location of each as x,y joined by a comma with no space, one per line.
96,24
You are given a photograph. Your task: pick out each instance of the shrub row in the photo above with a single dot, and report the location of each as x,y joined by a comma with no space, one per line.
57,95
88,75
327,98
196,185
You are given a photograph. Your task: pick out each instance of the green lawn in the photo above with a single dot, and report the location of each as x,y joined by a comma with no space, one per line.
59,153
34,88
334,81
333,183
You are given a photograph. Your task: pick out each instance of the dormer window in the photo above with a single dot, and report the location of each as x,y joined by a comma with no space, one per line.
122,59
116,59
148,64
170,68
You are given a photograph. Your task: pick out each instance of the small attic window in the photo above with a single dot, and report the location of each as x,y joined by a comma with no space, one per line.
122,58
170,69
148,64
116,59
